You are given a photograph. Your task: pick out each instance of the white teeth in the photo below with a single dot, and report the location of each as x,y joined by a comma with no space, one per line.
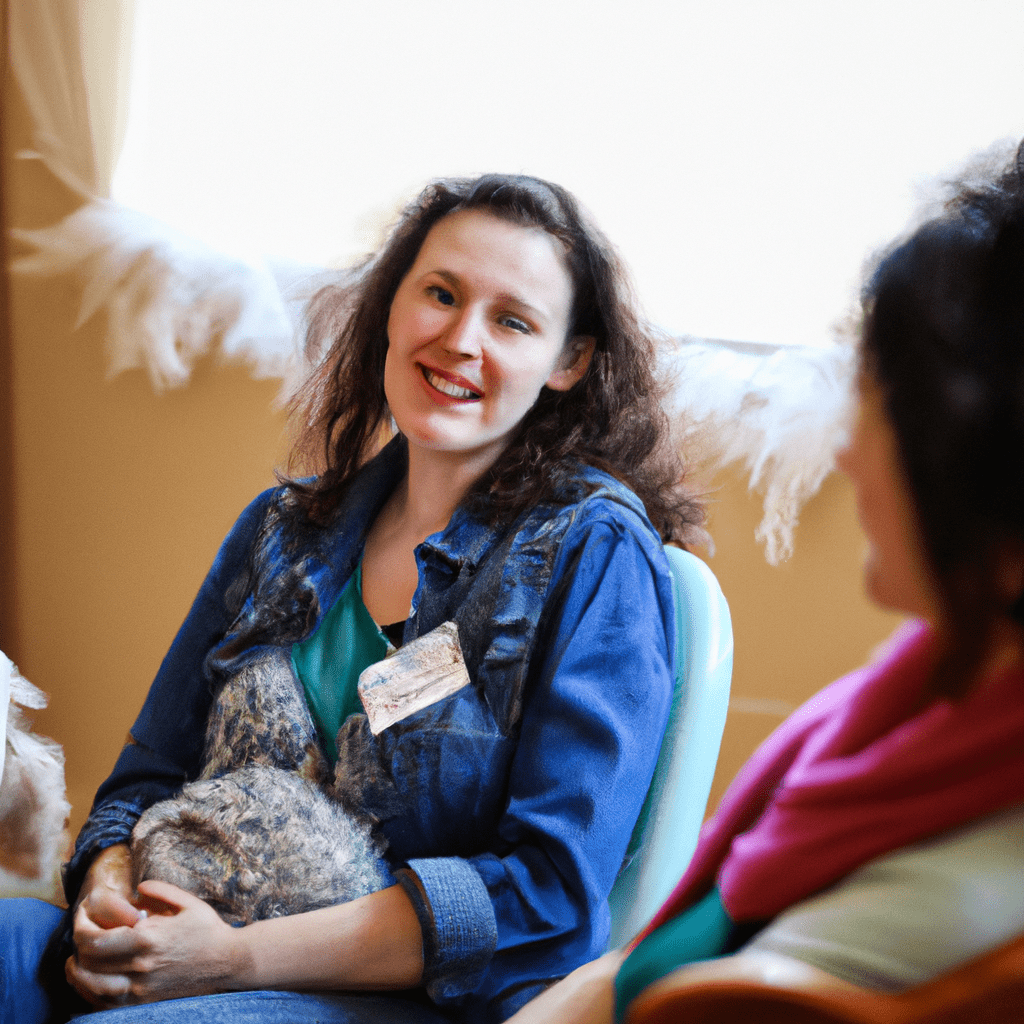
446,387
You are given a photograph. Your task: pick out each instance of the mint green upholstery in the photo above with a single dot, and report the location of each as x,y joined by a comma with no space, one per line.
666,834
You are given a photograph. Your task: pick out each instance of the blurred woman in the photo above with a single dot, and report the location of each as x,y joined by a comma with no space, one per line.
876,840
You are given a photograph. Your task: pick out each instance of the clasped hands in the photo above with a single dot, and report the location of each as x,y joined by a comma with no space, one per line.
158,943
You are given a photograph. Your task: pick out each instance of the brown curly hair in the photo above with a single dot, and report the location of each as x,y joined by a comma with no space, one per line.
612,418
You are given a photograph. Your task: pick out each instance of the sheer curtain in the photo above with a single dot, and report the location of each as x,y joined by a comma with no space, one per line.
74,132
168,297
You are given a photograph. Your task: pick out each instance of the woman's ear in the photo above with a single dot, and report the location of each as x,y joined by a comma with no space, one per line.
572,363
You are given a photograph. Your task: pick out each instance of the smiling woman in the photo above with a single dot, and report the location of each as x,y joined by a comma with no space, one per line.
477,327
512,523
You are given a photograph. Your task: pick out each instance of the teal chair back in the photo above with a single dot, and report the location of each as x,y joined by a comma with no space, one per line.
666,832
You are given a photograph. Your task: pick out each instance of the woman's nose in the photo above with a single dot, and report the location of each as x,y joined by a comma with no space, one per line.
464,335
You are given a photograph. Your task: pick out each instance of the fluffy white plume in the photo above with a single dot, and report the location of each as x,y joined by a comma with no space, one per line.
33,804
167,296
782,411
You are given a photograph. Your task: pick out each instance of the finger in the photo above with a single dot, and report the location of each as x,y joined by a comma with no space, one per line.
109,909
168,894
113,946
98,989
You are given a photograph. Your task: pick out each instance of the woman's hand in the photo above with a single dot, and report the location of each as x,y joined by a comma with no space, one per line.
177,947
105,902
587,996
166,943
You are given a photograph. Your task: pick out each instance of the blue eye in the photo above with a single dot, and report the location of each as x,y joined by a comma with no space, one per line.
515,324
442,295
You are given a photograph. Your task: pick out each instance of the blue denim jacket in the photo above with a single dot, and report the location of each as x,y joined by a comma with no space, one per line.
513,799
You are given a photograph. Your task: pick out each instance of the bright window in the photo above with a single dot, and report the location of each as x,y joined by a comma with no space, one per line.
744,156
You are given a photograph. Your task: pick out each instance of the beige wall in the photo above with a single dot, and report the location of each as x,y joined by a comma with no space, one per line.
120,496
7,540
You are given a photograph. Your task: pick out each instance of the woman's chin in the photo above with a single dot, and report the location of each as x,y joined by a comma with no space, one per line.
883,593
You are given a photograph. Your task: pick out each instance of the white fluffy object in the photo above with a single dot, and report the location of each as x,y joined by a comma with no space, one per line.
168,297
33,804
782,411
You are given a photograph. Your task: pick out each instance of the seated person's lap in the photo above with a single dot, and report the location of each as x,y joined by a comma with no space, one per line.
275,1008
26,926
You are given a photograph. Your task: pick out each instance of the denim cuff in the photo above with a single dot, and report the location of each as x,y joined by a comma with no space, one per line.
107,825
460,933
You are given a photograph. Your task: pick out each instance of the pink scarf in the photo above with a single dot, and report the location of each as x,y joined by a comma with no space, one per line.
854,773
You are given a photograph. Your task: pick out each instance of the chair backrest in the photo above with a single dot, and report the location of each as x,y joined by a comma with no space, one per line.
666,833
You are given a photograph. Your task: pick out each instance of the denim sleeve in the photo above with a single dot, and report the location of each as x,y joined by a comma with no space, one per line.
594,715
165,746
458,943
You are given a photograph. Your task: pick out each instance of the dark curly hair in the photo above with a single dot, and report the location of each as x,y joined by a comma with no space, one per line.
612,418
943,336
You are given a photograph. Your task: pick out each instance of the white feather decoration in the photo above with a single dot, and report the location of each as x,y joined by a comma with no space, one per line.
167,296
33,802
780,410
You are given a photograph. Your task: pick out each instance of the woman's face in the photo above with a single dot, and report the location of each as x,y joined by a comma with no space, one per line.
477,327
896,571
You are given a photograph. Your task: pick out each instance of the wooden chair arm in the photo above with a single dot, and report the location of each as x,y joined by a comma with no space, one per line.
988,990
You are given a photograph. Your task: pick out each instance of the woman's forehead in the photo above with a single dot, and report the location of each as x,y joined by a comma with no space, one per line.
479,249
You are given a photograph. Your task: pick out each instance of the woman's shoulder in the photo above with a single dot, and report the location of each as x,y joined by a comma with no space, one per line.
594,517
264,500
592,497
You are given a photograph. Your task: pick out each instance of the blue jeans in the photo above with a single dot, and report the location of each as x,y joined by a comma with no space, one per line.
26,927
32,985
274,1008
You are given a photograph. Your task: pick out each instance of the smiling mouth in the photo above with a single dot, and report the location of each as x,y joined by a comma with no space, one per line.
446,387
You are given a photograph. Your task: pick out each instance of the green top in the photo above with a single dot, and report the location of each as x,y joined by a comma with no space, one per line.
329,662
699,933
